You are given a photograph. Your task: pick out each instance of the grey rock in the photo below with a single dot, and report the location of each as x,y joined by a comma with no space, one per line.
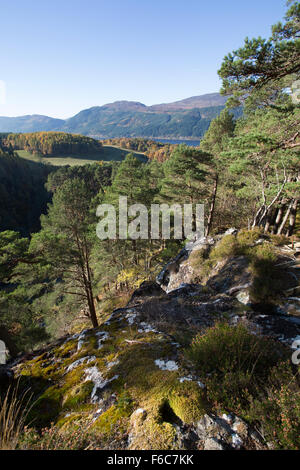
231,231
212,444
199,244
244,297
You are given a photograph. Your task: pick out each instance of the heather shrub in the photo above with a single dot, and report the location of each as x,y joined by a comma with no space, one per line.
267,278
278,410
249,237
234,363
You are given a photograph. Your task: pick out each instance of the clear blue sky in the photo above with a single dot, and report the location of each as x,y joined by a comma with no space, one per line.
61,56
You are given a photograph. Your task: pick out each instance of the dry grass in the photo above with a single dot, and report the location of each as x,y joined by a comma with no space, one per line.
13,413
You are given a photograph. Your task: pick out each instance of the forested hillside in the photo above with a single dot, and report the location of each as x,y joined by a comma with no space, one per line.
22,193
52,143
152,149
106,121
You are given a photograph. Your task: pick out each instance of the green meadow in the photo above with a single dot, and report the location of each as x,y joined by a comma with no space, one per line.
108,153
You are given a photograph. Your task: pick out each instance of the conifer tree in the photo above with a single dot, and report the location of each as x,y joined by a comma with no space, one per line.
186,177
64,245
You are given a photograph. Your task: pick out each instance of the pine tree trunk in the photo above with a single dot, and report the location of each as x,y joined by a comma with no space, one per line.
293,213
212,207
89,290
92,309
278,218
256,217
268,222
285,218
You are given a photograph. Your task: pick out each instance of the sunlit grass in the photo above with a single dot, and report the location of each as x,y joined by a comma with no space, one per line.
109,153
13,414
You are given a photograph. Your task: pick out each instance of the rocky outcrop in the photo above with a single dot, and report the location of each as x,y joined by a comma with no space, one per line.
229,287
132,371
178,271
211,432
131,368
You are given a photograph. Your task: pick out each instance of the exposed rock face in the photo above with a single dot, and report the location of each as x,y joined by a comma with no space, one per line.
211,432
147,289
231,277
229,286
173,266
227,432
134,352
178,270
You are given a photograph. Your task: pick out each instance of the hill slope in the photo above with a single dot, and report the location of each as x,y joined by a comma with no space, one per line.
33,123
22,193
189,118
132,384
202,101
107,122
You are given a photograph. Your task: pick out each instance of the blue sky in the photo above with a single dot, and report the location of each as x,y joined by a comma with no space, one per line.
61,56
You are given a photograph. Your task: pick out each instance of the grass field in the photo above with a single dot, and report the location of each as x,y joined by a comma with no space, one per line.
109,153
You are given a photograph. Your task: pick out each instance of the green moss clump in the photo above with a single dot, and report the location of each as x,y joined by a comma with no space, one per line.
114,417
47,407
78,395
65,349
187,401
226,248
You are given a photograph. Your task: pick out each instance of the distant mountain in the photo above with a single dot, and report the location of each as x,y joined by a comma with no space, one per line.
202,101
125,106
106,122
32,123
188,118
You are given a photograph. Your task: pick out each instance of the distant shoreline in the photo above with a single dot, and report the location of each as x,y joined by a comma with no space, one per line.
164,140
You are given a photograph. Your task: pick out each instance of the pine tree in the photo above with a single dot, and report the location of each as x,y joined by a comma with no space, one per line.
214,142
186,178
261,67
64,245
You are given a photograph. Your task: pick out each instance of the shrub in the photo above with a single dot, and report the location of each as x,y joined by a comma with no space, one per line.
267,279
278,411
224,347
236,363
201,264
279,240
197,258
54,438
249,237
